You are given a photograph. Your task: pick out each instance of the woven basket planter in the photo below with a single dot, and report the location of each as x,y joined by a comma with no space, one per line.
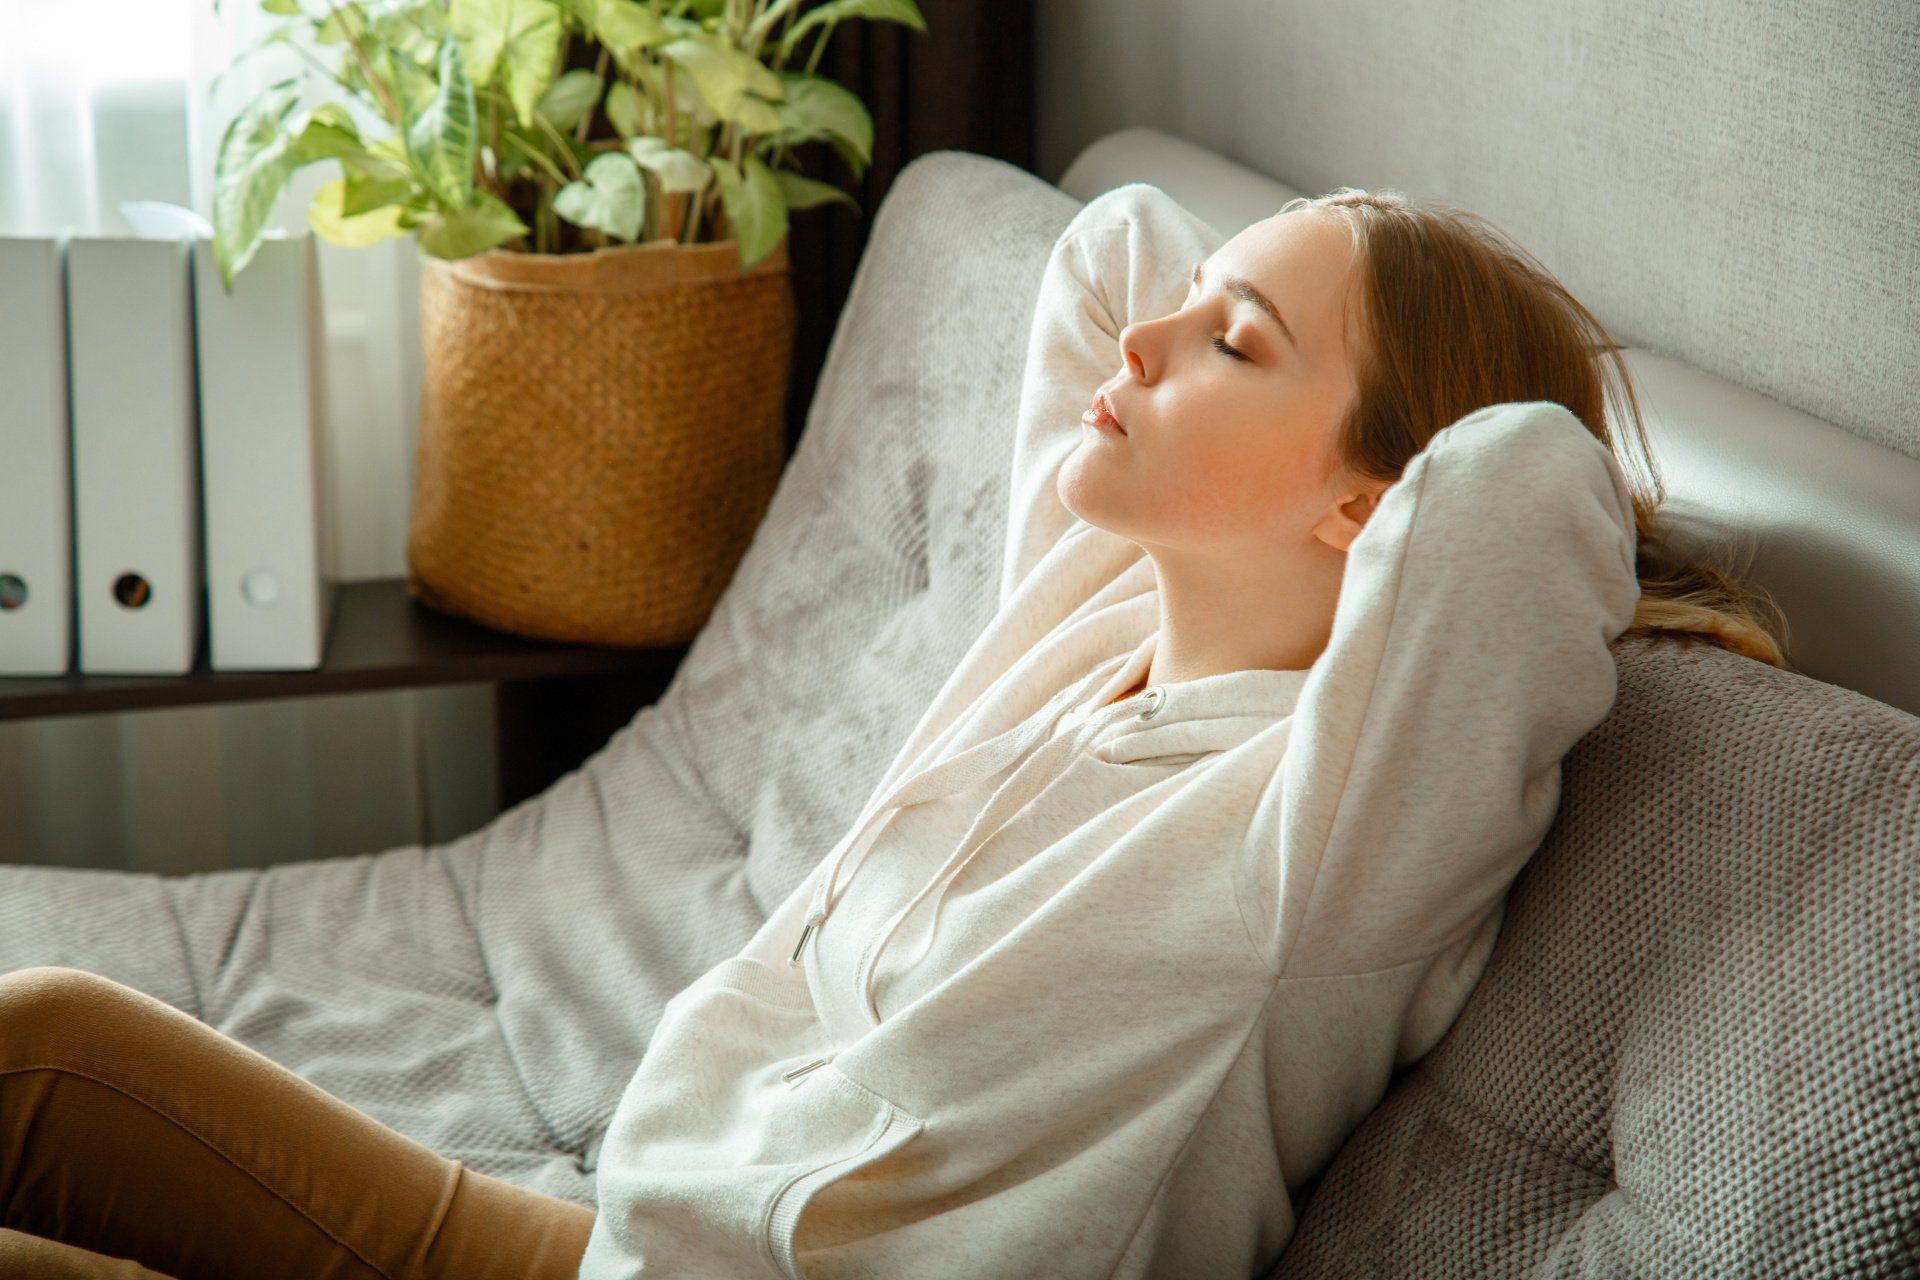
600,434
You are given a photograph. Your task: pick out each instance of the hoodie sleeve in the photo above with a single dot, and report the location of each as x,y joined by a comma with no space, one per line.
1128,254
1470,651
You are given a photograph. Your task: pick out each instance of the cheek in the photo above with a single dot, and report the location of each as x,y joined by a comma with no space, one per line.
1231,487
1196,490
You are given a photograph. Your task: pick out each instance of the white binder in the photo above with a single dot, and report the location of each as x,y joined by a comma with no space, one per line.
135,455
36,494
271,585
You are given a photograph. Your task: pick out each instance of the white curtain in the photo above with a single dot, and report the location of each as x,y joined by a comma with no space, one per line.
108,101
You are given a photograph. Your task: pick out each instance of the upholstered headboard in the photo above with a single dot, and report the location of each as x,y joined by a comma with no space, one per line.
1827,522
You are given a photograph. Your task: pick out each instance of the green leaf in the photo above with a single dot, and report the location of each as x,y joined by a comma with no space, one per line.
441,139
285,8
623,109
416,211
677,170
687,100
386,158
613,198
329,132
376,165
519,40
754,206
414,28
255,161
723,74
625,27
901,11
755,115
571,97
415,85
801,192
364,192
490,221
334,224
816,107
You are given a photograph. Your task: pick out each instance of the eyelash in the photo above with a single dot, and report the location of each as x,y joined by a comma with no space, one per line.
1220,344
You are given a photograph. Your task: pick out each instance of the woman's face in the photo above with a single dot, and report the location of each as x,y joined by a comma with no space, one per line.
1229,453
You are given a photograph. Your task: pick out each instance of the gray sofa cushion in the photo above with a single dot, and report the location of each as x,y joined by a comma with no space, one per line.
490,996
1695,1049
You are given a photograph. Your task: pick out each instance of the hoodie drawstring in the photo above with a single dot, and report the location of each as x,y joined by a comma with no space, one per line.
981,760
1044,765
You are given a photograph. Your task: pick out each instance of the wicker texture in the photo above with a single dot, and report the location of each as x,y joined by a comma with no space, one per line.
600,435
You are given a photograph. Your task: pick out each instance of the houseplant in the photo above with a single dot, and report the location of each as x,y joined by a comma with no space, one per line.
606,307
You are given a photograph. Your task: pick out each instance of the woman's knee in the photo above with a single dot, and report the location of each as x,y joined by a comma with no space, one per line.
49,998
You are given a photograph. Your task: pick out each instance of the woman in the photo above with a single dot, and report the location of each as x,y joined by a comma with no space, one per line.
1113,960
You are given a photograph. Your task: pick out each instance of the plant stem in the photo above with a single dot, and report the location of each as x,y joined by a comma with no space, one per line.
561,143
599,72
673,112
673,202
380,88
326,70
820,44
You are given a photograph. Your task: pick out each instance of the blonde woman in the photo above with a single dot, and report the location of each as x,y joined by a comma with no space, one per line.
1205,839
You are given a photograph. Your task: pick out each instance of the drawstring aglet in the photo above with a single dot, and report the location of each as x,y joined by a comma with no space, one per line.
812,920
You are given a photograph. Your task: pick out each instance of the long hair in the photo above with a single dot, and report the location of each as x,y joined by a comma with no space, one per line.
1454,316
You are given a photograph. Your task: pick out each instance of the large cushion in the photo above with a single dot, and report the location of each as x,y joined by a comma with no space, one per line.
1695,1049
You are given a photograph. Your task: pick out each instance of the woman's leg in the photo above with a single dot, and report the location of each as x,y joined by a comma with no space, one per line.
22,1254
136,1131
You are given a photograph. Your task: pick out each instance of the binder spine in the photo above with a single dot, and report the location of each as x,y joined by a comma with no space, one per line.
36,495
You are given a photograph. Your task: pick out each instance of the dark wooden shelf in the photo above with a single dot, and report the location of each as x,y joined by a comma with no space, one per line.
554,703
380,638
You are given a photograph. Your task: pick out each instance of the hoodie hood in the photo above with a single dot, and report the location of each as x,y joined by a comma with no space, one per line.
1211,713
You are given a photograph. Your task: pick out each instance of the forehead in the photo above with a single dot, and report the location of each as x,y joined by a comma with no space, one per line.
1299,259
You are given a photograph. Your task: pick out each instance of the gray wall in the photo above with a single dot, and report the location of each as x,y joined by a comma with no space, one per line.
1735,184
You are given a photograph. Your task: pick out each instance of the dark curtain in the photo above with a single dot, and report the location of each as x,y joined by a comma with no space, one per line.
966,85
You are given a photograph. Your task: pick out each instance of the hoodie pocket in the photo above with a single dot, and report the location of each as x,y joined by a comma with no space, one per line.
735,1120
866,1128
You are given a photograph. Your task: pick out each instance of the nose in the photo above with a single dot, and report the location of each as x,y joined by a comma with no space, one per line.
1134,343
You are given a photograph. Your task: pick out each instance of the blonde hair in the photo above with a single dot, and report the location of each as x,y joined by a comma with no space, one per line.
1512,333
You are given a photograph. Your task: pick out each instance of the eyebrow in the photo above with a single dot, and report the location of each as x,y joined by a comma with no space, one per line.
1242,288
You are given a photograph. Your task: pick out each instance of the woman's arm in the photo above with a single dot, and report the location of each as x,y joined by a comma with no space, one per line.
1469,653
1127,255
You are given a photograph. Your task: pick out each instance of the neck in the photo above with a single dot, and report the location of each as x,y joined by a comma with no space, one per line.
1217,617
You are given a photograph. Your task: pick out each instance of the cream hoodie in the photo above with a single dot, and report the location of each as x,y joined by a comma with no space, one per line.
1095,991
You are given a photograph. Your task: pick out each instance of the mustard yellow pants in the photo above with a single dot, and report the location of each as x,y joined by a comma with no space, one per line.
139,1143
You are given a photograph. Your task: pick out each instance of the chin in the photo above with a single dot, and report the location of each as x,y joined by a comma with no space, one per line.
1085,491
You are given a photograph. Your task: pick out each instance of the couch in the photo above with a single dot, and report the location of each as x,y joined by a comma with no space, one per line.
1696,1049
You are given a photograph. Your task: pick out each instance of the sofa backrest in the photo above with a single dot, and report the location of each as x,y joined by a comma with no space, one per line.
876,563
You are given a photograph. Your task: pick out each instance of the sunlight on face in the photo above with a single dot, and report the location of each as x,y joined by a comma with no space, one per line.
1227,452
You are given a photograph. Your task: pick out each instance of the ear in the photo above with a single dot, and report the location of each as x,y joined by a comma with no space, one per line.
1349,515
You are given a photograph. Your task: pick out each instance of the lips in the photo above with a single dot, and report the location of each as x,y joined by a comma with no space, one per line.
1100,414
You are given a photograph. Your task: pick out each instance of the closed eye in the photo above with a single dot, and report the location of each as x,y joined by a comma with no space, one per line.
1220,344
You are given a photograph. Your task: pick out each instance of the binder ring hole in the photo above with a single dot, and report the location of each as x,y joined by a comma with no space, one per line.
132,590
